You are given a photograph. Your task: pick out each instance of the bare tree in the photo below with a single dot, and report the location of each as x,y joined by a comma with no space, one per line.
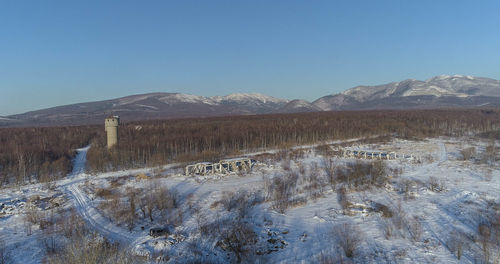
348,238
239,238
456,243
343,200
131,217
378,173
407,185
415,228
201,222
399,216
330,168
143,204
282,189
3,253
314,183
484,231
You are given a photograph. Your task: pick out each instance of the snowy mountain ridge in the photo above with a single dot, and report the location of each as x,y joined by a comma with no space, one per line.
443,91
249,98
457,85
242,97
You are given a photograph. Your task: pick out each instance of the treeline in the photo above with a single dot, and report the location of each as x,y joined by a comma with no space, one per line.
41,153
151,143
45,153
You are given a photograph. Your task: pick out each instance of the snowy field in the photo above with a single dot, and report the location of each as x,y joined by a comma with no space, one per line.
436,210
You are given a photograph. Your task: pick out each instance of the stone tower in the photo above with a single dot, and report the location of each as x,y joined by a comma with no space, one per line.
111,127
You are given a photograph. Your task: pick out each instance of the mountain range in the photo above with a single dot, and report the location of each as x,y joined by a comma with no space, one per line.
444,91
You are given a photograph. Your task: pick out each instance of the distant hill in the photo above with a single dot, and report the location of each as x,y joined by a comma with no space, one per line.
151,106
438,92
445,91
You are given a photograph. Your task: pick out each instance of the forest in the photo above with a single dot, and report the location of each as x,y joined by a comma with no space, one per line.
40,154
44,153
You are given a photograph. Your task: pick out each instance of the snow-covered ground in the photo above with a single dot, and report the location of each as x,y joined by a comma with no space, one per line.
438,198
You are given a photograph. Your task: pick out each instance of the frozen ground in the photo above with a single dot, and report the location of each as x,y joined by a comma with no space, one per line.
465,194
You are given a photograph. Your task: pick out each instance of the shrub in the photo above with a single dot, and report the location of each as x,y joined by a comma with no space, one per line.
435,185
242,201
227,200
406,187
236,237
282,190
386,211
314,182
489,155
82,245
329,257
396,172
379,173
362,175
348,238
80,250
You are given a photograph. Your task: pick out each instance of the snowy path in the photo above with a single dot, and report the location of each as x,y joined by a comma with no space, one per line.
80,161
83,205
95,220
90,214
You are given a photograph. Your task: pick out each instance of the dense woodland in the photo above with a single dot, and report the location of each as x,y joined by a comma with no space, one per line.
40,154
153,143
44,154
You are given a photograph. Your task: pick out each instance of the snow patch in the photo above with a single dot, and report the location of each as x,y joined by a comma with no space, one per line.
131,99
187,98
241,97
147,106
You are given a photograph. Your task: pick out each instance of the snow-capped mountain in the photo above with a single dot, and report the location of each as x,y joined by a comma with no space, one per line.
247,98
297,106
450,91
251,99
252,103
155,106
439,91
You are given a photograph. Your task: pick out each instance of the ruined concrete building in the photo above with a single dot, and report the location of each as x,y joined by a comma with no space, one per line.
223,167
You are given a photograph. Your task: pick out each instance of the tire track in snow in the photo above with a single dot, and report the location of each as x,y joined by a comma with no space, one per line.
95,220
92,217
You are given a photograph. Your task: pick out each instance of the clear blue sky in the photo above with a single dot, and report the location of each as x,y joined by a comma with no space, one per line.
68,51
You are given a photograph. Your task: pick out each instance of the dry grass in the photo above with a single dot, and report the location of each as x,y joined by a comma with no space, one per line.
141,176
105,193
